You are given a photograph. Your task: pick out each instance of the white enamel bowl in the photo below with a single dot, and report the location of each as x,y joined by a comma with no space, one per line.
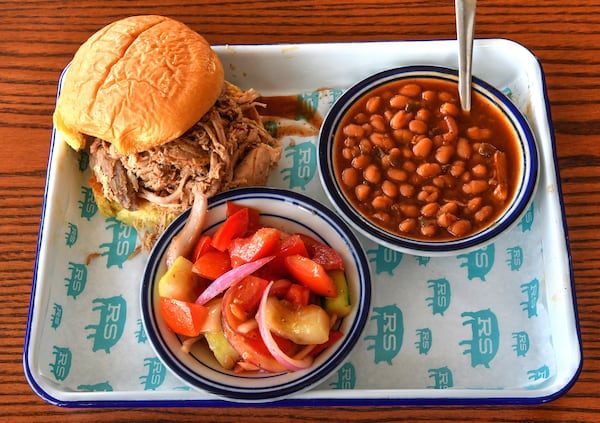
291,212
526,179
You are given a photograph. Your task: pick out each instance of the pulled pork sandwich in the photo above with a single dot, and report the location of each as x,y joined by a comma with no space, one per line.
146,98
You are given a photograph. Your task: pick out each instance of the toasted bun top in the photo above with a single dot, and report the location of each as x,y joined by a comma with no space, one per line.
138,83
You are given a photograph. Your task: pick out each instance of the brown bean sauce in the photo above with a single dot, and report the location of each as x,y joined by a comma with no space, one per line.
289,108
413,163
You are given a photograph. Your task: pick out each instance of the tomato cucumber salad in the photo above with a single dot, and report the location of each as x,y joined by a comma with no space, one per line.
261,298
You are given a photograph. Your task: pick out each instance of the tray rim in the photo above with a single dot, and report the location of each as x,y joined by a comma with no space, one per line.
419,400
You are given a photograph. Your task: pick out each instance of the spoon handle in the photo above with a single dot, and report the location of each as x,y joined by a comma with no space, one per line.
465,26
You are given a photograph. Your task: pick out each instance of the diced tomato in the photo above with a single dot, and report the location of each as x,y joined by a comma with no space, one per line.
294,293
280,287
241,300
212,264
311,274
285,345
245,297
260,244
287,246
253,215
202,246
252,348
293,244
234,226
298,295
256,351
334,336
183,317
322,254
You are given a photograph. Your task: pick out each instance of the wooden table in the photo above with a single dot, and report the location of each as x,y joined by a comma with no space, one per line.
38,38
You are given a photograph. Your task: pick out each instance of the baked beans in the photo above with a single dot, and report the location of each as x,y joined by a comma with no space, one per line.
413,163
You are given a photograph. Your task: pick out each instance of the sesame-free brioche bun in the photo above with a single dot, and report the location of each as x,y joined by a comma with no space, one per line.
138,83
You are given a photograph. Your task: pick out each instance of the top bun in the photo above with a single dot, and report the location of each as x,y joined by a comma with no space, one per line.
138,83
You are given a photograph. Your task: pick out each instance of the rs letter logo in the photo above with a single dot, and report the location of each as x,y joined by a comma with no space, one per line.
385,259
124,238
485,337
440,300
62,362
521,343
479,262
390,331
304,159
77,280
87,205
155,375
109,329
346,377
442,378
532,292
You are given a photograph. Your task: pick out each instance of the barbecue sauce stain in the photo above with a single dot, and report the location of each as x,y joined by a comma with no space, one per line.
291,108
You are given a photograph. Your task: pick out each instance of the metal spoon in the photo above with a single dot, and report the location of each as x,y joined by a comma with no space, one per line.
465,25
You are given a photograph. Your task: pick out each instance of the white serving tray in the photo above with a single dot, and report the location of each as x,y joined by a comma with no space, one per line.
496,326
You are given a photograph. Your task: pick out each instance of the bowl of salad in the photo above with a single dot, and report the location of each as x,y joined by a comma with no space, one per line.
255,294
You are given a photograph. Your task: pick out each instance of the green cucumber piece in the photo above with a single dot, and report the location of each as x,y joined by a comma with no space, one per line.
340,304
222,349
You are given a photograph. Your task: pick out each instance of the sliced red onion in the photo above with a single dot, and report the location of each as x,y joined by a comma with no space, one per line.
285,360
184,242
229,278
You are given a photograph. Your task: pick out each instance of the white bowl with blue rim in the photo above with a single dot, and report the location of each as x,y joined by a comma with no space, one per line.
527,178
289,211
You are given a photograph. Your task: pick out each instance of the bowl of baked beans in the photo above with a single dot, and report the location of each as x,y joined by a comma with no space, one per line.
408,168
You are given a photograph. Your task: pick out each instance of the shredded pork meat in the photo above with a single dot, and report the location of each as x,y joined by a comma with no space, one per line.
227,148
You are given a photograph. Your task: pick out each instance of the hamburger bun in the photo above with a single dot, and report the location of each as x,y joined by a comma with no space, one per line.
146,97
138,83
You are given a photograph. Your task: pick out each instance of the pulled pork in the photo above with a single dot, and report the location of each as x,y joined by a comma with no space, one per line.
227,148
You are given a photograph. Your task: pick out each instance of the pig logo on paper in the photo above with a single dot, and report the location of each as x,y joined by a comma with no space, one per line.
140,334
442,378
62,362
440,300
96,387
346,377
156,374
485,337
109,329
304,164
71,235
385,259
56,317
539,373
532,291
122,245
479,262
386,343
515,258
77,280
87,204
521,343
424,339
527,221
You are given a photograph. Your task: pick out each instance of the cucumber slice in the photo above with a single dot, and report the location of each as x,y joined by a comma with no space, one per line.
222,349
340,304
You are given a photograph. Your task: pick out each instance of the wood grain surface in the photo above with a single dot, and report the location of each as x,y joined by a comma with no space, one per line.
38,38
